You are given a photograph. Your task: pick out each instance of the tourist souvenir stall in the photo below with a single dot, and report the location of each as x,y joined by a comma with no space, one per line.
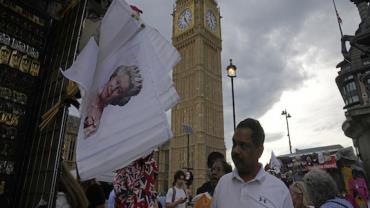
341,164
355,184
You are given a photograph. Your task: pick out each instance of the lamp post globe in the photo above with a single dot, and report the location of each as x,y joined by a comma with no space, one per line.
231,69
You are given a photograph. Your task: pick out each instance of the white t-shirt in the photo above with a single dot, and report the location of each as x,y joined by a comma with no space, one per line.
61,201
111,199
180,193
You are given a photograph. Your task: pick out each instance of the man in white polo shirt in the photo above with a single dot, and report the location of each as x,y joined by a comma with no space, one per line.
249,185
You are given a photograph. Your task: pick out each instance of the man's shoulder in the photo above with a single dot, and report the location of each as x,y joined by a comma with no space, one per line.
335,202
206,184
227,176
204,187
276,190
276,182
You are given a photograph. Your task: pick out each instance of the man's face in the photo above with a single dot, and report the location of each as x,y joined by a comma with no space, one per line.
16,58
25,64
25,61
217,171
116,88
34,70
4,54
35,66
245,153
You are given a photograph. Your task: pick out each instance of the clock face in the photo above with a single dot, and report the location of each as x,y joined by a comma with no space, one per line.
211,20
185,18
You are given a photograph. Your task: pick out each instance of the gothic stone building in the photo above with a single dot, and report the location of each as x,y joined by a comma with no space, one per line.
353,81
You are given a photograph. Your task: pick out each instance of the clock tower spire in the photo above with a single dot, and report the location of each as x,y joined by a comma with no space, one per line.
198,80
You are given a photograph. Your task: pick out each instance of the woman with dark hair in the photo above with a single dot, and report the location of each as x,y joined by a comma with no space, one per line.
176,196
94,193
322,190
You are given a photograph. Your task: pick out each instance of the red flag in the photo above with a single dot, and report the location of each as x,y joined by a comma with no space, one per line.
339,19
136,9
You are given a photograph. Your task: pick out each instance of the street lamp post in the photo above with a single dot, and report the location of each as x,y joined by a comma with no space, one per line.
188,131
231,72
287,115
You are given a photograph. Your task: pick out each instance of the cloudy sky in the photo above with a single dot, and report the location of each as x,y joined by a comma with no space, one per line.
286,52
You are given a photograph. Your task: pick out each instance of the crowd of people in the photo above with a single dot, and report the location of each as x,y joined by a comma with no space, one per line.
248,185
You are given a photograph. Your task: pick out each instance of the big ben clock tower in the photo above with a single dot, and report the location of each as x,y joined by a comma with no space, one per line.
197,77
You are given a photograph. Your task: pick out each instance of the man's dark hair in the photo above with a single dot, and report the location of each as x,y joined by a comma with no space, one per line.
177,175
212,157
95,195
226,166
258,135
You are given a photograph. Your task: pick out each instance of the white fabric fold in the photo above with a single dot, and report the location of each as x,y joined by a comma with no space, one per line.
83,68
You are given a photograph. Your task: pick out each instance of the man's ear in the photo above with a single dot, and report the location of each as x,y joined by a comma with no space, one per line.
260,150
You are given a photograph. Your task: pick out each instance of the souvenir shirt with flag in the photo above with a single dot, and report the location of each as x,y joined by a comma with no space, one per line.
134,184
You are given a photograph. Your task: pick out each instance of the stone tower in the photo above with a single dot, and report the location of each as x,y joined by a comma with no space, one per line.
197,77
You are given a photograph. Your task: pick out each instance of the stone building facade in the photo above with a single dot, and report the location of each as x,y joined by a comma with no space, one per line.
69,146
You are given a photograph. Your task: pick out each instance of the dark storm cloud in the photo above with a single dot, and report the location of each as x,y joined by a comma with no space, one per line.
271,137
328,126
266,40
263,46
262,37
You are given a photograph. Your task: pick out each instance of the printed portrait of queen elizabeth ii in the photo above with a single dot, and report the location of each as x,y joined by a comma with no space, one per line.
125,82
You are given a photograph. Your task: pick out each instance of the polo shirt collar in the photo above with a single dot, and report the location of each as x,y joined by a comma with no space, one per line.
259,177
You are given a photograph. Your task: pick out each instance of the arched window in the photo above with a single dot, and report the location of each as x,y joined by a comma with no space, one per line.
349,91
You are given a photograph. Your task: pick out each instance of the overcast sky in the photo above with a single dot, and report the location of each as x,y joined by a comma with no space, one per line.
286,52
